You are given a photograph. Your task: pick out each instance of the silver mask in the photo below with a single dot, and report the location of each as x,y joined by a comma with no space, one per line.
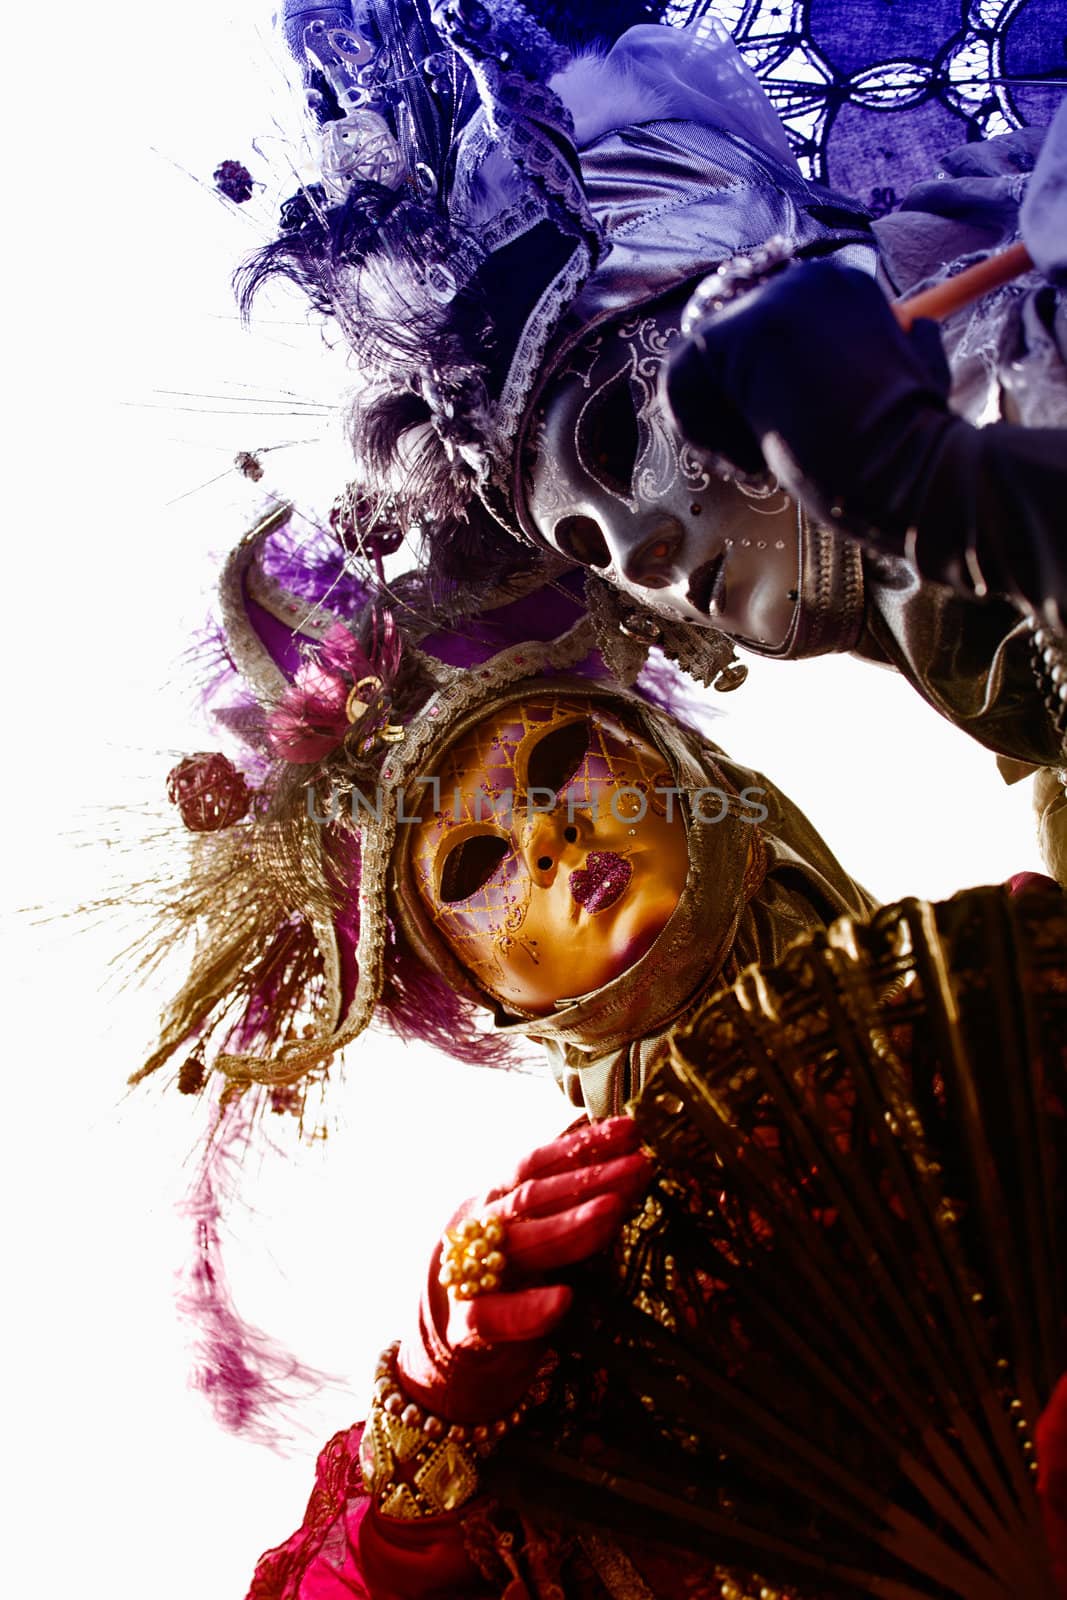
611,485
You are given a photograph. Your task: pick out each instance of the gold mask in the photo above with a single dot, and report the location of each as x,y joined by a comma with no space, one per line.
555,852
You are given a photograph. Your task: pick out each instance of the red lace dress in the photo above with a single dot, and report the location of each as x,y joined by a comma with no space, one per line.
344,1548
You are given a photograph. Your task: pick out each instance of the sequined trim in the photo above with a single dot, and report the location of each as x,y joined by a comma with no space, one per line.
528,358
286,607
615,1569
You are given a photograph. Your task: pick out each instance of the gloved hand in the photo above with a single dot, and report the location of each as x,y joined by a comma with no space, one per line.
815,358
471,1361
812,377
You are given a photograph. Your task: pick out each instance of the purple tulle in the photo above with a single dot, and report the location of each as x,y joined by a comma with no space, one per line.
312,565
544,614
419,1004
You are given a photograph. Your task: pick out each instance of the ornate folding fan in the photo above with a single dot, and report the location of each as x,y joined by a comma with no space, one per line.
824,1343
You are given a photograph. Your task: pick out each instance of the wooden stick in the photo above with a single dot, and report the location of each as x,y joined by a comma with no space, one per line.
945,298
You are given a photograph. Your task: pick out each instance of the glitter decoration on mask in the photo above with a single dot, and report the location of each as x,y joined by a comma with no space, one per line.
602,880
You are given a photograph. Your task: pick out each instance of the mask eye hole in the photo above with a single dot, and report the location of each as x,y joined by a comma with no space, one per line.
557,757
581,540
470,865
607,439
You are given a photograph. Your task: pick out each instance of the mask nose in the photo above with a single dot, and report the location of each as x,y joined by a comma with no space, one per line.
647,551
549,838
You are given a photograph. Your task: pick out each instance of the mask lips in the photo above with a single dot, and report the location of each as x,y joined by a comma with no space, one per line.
602,882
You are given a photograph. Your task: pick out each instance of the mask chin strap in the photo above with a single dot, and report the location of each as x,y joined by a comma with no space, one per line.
828,615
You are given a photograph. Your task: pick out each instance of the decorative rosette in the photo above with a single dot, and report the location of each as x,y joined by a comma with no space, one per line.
366,526
234,181
342,696
209,791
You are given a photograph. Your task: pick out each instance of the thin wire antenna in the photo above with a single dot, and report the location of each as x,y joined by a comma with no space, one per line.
287,396
261,322
229,471
246,219
219,411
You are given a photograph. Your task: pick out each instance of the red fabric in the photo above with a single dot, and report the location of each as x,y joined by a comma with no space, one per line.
1052,1479
418,1559
1022,882
288,1571
344,1550
470,1361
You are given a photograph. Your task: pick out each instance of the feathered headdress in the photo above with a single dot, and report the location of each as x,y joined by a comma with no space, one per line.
338,698
449,188
485,203
342,697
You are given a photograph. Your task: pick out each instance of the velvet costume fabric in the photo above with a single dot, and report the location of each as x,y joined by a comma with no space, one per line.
345,1551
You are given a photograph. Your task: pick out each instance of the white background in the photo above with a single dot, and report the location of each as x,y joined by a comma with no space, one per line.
121,328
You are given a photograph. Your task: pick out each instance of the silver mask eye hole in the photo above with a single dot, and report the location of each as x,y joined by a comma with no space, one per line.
580,539
607,438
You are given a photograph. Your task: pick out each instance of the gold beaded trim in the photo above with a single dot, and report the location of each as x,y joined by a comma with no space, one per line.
418,1465
752,1589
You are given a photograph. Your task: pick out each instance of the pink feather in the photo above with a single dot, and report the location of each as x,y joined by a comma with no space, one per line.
311,719
246,1376
341,650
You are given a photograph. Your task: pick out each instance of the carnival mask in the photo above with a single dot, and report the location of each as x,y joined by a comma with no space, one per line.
554,849
611,485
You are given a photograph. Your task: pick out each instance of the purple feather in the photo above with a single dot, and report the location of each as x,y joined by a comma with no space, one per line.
245,1375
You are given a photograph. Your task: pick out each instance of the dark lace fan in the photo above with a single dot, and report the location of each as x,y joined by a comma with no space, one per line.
825,1340
871,94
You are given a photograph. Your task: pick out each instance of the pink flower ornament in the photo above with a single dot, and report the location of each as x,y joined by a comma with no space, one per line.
341,690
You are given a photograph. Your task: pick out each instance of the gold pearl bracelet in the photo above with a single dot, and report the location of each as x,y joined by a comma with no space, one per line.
418,1465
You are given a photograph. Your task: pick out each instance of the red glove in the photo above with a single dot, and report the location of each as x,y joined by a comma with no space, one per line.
471,1361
